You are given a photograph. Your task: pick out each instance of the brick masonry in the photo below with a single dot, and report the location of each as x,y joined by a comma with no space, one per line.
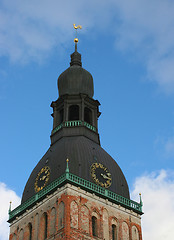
67,215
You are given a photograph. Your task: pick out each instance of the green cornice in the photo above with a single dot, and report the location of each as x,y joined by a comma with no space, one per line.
68,177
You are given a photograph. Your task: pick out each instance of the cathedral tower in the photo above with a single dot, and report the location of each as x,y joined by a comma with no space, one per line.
76,191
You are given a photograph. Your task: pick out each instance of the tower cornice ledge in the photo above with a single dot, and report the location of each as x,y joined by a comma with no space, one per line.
79,182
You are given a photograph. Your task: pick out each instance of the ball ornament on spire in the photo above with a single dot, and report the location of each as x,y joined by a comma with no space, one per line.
76,40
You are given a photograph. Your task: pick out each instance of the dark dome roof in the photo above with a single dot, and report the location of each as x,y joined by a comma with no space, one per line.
76,79
82,152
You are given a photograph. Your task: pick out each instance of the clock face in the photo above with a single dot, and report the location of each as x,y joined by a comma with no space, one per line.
101,175
42,178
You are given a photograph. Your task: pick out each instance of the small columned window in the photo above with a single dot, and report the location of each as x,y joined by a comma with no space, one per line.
114,232
43,229
14,237
61,213
46,225
94,226
30,231
88,115
73,113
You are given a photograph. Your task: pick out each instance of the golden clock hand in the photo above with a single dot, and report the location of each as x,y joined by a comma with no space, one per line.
43,178
105,177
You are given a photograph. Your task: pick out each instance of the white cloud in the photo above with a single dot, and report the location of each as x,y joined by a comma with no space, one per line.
29,30
147,30
7,195
158,193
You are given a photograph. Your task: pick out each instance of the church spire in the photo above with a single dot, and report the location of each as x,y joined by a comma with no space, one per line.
76,56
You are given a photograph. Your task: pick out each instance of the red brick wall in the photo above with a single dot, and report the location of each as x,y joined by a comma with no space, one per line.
76,213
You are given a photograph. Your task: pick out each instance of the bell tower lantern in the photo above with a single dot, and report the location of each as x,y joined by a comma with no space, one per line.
75,106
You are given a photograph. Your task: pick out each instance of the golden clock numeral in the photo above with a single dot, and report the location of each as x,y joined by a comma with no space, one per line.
97,165
94,177
100,165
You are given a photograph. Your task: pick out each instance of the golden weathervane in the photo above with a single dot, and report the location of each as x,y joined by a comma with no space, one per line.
76,28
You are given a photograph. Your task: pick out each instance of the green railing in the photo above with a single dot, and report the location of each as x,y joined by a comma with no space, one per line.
89,126
71,178
57,128
75,123
104,192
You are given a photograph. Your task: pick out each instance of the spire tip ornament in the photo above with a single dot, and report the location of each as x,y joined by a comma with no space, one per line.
10,207
141,202
76,39
76,27
67,166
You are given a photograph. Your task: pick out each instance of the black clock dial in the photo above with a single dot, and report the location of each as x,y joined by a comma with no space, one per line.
42,178
101,175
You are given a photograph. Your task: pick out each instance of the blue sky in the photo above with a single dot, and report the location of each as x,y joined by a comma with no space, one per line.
128,47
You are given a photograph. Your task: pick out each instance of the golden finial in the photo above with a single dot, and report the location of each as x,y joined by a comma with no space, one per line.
76,27
67,167
10,207
141,203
